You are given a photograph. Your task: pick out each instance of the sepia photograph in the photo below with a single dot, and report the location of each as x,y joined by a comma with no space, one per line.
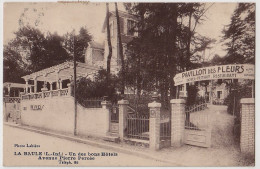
128,84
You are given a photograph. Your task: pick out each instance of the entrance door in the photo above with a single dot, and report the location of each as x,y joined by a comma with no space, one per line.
197,128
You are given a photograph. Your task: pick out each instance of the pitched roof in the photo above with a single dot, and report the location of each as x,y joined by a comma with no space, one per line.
125,15
63,71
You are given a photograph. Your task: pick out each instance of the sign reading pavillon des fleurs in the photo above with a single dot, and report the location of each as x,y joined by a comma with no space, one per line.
236,71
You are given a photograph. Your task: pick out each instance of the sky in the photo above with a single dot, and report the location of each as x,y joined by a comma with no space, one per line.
64,17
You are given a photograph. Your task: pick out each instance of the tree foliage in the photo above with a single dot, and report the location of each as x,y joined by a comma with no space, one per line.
98,87
31,50
165,45
77,43
13,65
239,35
238,91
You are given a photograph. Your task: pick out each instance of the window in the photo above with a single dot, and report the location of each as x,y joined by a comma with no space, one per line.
219,93
111,27
130,26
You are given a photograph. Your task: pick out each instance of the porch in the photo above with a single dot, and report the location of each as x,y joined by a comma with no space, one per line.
57,77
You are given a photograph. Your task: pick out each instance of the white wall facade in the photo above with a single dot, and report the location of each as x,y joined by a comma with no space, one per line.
93,121
57,114
52,113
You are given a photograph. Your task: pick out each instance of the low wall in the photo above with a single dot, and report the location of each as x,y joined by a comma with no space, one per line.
92,121
57,114
53,113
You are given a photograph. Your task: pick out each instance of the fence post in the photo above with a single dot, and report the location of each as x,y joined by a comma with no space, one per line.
107,105
177,121
247,136
43,91
122,104
154,125
69,89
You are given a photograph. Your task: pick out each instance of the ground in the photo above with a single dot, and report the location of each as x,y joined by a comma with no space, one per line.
52,144
224,151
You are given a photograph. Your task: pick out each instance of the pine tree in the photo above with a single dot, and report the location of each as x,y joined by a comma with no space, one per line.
239,35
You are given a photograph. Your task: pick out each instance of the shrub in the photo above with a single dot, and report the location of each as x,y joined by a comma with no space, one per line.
238,91
246,159
97,88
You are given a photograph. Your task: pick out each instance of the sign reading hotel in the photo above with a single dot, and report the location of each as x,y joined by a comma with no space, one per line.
237,71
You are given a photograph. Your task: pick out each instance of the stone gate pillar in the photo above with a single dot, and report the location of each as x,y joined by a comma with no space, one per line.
177,121
247,136
154,125
122,104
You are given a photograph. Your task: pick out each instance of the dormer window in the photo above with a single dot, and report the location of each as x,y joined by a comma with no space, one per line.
130,27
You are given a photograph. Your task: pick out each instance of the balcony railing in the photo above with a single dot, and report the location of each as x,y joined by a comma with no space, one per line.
46,94
11,99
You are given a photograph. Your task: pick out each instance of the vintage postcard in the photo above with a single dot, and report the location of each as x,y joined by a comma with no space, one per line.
129,84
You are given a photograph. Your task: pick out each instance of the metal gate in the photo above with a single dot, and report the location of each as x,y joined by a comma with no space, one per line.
197,126
137,126
114,119
165,130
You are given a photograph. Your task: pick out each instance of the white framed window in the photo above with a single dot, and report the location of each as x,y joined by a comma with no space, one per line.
130,26
220,94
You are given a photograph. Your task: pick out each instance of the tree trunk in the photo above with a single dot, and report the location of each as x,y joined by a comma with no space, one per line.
120,50
172,59
109,44
188,44
188,66
139,79
139,75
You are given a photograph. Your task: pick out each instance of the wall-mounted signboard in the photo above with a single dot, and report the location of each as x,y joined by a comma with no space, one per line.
37,107
236,71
